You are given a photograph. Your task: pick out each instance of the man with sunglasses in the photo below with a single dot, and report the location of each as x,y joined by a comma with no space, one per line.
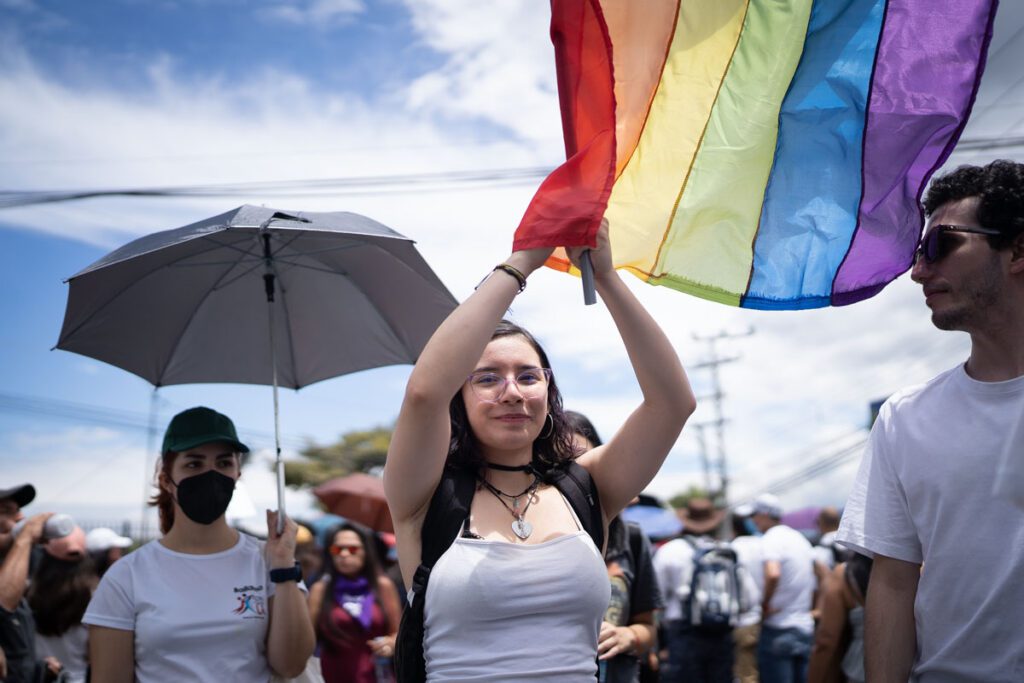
946,588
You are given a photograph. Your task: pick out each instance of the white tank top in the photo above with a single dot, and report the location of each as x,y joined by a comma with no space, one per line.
497,611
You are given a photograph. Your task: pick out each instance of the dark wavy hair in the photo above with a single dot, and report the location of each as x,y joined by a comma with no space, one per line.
1000,188
162,499
581,424
60,592
371,571
551,449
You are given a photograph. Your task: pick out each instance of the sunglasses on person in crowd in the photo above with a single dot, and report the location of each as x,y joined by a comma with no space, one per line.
936,244
339,549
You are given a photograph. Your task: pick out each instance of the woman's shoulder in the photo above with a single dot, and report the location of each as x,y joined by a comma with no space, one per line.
147,552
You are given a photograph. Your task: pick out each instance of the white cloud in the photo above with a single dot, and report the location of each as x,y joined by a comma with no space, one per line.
803,380
496,68
319,14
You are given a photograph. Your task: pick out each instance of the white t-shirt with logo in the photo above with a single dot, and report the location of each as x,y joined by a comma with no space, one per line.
195,617
793,597
924,495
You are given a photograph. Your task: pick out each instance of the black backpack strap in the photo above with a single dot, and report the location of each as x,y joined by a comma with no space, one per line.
578,487
449,508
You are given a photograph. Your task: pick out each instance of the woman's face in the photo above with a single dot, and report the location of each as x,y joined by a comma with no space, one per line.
201,459
348,553
513,421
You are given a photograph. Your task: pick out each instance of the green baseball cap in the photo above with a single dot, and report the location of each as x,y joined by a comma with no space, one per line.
198,426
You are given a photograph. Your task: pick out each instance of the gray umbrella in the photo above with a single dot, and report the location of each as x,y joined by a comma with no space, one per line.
257,296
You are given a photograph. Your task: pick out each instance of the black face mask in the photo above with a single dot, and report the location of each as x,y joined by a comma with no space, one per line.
205,497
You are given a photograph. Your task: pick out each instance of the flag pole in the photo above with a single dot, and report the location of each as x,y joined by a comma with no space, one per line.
587,276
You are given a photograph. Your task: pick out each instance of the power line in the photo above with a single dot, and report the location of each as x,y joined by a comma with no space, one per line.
415,182
111,417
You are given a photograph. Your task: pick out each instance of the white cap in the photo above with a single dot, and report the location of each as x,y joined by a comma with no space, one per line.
104,538
767,504
744,510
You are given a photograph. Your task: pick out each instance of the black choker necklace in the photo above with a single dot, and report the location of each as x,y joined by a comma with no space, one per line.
509,468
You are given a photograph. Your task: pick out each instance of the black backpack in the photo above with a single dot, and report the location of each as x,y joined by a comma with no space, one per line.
449,508
716,589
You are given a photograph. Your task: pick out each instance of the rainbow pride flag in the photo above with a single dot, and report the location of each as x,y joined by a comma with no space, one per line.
760,153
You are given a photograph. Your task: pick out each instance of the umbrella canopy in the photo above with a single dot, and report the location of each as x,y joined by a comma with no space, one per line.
257,296
358,497
656,522
190,305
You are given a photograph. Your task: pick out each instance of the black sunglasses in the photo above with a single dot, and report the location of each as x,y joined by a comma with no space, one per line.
935,245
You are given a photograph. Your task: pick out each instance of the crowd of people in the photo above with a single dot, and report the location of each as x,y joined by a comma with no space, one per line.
538,577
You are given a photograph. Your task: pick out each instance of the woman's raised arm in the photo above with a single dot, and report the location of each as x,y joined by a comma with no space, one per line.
419,444
627,463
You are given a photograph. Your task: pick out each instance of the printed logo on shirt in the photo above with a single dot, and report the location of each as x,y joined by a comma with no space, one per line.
250,605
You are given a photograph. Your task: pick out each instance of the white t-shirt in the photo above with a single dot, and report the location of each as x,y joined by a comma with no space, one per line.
793,597
195,617
70,650
823,551
1010,477
673,565
924,495
750,553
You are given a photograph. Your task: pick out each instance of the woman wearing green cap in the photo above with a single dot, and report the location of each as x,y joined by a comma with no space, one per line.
204,602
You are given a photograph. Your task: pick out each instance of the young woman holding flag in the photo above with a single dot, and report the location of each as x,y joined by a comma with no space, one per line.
521,592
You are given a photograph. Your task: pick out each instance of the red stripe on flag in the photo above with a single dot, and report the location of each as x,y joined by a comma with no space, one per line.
566,211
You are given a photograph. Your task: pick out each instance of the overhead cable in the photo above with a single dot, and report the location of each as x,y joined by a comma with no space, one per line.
356,185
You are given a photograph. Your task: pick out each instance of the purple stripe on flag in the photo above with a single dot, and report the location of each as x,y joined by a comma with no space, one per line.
927,72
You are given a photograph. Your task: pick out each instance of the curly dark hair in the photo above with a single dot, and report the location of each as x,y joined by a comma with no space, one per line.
553,448
1000,189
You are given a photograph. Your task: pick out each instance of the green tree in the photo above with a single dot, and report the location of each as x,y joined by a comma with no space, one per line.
681,499
355,451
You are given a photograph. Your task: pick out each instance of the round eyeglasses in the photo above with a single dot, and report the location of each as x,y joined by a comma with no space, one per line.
490,386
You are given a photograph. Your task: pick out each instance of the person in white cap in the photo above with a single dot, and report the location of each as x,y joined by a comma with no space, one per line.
106,547
787,627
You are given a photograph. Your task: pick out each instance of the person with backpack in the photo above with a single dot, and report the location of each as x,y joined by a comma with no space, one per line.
702,583
499,525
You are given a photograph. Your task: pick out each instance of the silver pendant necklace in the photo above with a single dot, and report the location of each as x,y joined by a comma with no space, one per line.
520,527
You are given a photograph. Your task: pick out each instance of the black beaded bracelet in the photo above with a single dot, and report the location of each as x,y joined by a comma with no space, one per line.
514,272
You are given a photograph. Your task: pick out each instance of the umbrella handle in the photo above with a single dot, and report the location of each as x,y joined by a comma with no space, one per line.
280,493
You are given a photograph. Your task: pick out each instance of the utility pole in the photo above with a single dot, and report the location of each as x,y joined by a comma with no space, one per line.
704,461
711,364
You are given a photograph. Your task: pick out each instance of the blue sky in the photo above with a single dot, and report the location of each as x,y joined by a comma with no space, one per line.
126,94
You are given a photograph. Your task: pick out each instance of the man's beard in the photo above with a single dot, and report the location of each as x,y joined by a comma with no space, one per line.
976,299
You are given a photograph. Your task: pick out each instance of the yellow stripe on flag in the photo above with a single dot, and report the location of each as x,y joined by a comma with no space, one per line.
641,204
713,229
